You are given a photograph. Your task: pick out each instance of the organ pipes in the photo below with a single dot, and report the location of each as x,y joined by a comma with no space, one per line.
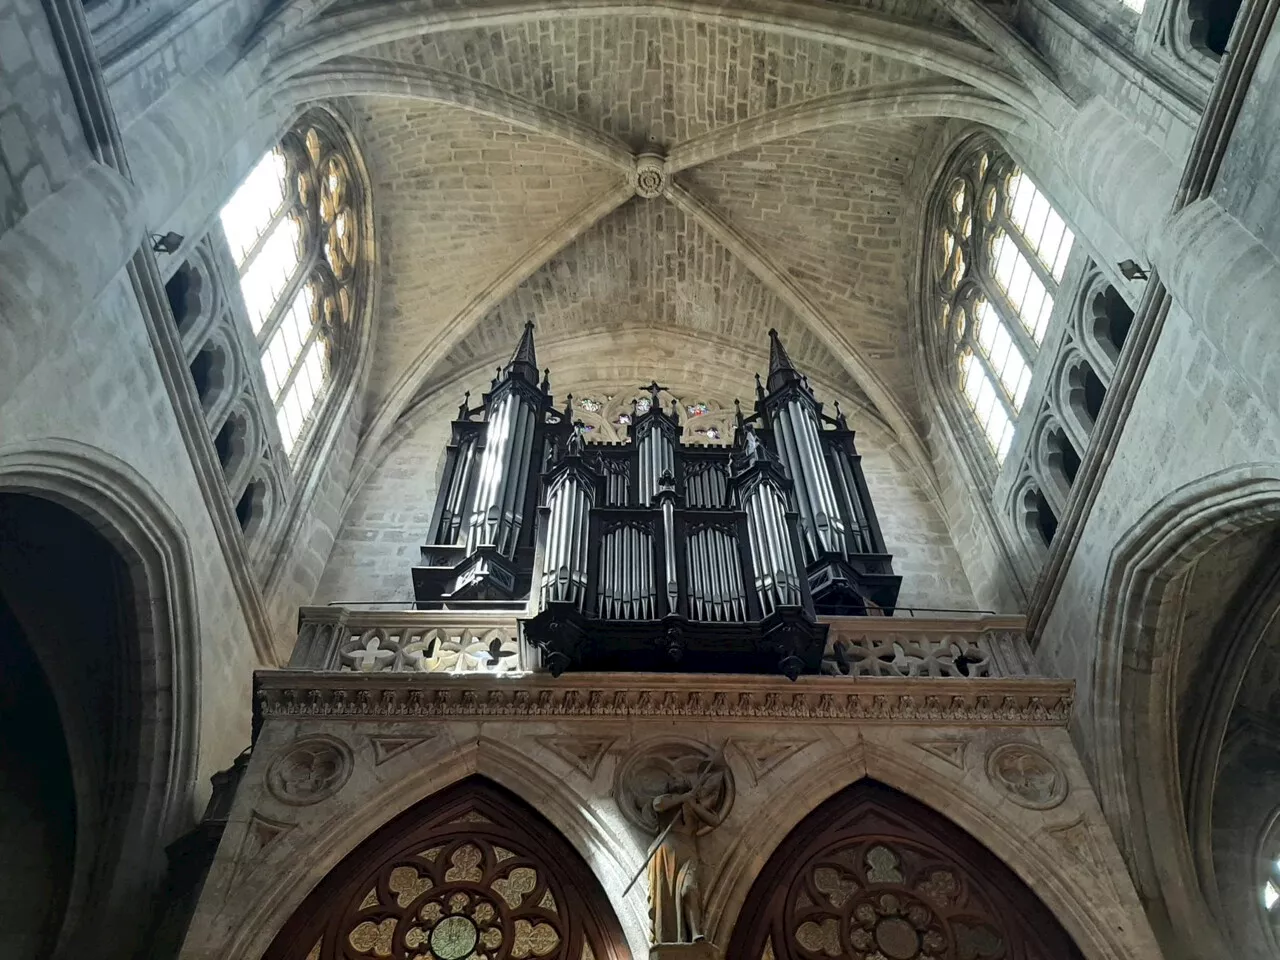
564,559
653,549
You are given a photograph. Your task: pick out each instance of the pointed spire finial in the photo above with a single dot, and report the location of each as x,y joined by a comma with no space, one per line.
524,362
781,370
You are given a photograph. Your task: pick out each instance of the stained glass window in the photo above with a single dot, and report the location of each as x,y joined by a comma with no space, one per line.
291,227
1001,252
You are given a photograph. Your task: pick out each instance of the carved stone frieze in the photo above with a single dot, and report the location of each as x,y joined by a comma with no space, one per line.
1014,702
1029,776
309,770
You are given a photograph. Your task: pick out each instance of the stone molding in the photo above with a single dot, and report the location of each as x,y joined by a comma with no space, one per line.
986,702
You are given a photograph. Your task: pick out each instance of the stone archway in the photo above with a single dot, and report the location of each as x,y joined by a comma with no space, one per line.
471,871
1186,605
874,873
97,586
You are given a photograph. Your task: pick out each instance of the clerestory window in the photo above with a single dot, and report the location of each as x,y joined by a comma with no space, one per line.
291,226
1001,250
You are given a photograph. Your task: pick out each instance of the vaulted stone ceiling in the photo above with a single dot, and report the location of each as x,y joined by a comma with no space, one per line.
502,141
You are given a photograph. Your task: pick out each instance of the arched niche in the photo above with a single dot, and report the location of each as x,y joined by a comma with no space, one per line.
99,606
874,873
1193,592
473,866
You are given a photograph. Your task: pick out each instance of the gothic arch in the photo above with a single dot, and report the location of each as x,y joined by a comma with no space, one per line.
1014,838
473,863
557,799
1140,638
872,870
152,774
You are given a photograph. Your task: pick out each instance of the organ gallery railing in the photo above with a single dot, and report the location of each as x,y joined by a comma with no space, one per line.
338,639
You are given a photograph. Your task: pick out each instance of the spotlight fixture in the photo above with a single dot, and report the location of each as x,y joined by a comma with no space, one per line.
1132,271
169,243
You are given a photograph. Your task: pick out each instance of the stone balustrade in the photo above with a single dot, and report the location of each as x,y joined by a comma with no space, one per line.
469,643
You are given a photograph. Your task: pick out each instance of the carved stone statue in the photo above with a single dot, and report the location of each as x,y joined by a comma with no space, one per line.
681,791
675,891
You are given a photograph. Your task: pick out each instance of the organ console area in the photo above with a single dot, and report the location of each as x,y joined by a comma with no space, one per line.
653,554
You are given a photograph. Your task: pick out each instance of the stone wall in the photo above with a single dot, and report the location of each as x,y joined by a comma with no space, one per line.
278,844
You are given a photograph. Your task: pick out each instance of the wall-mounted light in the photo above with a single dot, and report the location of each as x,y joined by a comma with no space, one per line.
169,243
1132,271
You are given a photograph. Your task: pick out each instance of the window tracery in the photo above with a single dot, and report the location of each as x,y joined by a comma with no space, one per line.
873,875
1001,253
291,227
472,875
606,416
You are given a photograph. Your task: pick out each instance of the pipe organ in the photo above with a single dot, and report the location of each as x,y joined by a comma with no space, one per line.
652,554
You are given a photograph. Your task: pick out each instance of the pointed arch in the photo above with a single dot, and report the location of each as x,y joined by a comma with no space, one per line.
143,790
1140,760
872,869
473,864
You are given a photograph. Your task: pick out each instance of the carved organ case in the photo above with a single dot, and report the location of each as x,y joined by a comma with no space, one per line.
653,554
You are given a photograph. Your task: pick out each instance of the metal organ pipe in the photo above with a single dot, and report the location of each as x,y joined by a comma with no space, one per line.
517,480
790,455
656,458
833,530
451,517
484,516
801,449
816,513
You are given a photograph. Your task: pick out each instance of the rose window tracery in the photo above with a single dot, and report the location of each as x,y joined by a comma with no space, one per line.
873,875
477,886
470,900
877,900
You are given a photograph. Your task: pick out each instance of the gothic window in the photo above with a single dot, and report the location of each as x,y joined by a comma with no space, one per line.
874,875
472,874
1000,253
292,230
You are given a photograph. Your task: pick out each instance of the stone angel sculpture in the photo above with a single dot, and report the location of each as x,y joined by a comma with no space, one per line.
688,810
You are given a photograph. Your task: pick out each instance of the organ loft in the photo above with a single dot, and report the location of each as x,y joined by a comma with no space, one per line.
653,553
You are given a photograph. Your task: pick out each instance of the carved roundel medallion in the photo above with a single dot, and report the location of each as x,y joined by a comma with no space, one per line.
1028,775
671,766
650,175
309,770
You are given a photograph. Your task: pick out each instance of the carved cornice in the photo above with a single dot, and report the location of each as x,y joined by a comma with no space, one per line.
297,694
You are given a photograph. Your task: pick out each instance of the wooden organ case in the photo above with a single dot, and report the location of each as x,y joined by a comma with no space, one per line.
653,554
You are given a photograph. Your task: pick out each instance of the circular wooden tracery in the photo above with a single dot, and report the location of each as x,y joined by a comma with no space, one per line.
873,875
470,874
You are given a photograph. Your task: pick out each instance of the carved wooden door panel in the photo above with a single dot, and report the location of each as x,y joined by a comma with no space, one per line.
471,874
874,875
